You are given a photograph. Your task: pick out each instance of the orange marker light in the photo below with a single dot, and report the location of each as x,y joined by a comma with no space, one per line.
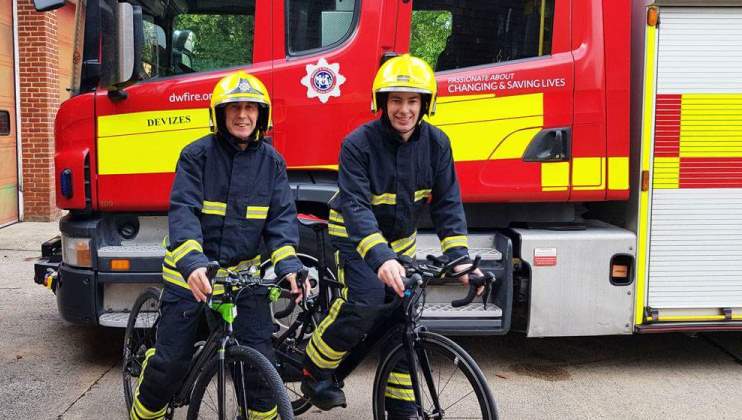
653,16
120,265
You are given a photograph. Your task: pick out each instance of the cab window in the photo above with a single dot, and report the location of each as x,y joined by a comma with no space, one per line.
201,36
317,24
452,34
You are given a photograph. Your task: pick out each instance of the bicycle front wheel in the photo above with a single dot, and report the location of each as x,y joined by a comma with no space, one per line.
140,335
250,381
451,383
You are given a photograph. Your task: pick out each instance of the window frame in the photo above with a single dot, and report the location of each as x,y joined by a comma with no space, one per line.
352,29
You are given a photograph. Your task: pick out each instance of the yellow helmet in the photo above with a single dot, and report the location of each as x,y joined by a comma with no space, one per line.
405,73
240,87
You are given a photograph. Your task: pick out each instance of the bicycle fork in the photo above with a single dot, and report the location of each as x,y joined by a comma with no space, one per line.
418,359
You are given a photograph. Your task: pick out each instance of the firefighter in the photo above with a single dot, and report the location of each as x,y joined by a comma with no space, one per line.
391,169
230,191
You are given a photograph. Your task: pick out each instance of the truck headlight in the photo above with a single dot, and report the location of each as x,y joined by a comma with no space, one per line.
76,251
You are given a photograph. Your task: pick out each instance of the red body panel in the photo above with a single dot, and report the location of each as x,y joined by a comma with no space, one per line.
590,60
74,140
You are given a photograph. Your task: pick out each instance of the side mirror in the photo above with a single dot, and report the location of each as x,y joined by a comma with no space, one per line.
47,5
183,41
122,45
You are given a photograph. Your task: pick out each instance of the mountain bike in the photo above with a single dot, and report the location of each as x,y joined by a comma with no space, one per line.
222,372
444,379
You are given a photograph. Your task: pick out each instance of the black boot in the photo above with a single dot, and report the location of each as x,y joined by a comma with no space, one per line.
324,394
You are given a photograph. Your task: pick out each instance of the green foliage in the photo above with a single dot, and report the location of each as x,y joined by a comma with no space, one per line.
430,30
219,40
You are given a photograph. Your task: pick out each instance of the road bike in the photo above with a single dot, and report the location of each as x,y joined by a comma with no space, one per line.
444,381
222,373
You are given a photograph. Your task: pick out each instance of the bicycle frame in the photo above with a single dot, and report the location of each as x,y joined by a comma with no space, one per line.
216,343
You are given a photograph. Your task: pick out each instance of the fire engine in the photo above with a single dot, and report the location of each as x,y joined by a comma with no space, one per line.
596,143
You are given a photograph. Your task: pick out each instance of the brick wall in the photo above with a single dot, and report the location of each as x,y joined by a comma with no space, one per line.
39,74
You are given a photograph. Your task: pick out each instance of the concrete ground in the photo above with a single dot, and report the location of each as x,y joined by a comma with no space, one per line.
52,370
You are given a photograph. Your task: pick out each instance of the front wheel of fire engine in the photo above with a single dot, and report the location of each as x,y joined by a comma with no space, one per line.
140,336
451,384
252,389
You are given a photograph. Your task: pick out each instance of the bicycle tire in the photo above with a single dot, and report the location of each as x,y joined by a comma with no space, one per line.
298,344
250,359
140,335
435,345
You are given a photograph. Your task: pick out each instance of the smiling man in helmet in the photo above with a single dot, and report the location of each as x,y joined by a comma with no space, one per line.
230,191
391,169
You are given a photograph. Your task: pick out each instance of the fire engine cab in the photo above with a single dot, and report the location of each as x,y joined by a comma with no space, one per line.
597,144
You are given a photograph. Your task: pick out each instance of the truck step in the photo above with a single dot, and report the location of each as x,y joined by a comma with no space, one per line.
471,319
482,244
121,319
473,310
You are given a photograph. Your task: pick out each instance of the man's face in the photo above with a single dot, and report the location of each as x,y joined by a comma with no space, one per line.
241,118
403,109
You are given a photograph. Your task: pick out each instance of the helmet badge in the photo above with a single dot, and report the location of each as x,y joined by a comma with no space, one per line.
244,86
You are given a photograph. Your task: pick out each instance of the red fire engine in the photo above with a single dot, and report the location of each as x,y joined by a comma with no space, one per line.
596,143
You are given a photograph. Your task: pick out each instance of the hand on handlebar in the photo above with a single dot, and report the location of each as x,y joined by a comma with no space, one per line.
199,284
465,278
391,274
295,288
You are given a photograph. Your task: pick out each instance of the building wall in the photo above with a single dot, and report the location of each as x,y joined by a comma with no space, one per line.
45,60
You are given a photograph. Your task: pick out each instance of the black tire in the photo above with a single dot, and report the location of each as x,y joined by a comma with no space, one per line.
458,382
290,354
203,402
141,332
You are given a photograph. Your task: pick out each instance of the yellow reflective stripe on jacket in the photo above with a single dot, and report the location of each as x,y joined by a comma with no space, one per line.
184,248
262,415
386,198
402,244
214,207
174,277
336,217
369,242
422,194
411,251
257,212
454,241
282,253
337,230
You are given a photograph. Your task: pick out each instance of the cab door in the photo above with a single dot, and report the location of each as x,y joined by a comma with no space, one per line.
326,54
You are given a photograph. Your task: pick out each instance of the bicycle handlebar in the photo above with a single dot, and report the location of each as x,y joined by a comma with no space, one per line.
442,268
301,276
